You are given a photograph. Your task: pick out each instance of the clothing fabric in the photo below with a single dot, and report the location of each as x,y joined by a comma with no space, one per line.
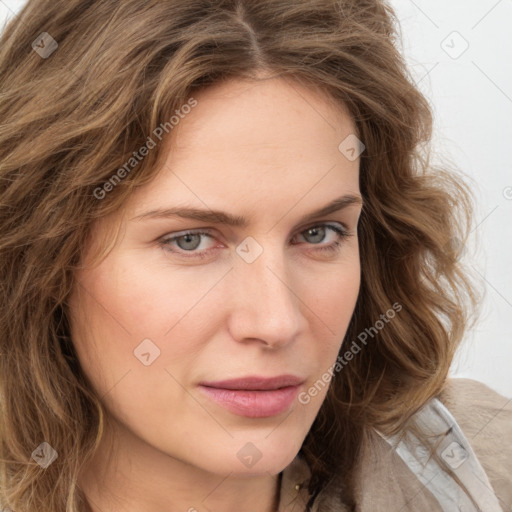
469,431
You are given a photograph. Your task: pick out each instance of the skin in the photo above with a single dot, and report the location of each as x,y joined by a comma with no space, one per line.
219,317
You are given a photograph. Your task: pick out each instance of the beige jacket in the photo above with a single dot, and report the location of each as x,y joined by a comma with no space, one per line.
386,482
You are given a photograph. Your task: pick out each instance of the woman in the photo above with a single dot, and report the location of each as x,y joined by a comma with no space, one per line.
230,277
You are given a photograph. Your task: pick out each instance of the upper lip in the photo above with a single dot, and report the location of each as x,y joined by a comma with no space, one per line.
256,383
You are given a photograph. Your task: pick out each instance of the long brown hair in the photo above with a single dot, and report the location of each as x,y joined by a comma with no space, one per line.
83,85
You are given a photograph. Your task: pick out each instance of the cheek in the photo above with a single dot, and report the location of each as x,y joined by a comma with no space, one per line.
155,298
332,305
333,296
122,303
134,300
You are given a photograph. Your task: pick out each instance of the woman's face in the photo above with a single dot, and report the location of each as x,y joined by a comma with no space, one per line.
167,318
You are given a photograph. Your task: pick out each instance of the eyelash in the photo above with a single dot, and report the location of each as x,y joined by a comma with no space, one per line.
333,248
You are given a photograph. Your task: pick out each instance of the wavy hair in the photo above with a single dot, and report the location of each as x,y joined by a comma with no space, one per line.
71,118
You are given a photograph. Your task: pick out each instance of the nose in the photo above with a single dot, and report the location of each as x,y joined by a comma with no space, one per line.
265,301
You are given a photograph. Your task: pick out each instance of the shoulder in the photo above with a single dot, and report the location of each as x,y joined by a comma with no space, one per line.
485,417
481,412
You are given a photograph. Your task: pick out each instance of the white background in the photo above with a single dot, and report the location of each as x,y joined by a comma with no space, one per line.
470,90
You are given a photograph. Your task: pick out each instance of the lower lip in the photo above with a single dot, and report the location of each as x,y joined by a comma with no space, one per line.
253,404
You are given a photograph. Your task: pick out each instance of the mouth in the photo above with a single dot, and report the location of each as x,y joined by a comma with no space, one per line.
254,397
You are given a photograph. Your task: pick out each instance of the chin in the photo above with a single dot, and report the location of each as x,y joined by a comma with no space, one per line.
253,457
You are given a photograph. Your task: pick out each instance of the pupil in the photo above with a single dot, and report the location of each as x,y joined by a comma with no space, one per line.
187,239
317,231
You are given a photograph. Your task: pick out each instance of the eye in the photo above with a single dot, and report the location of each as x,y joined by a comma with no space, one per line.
187,243
319,232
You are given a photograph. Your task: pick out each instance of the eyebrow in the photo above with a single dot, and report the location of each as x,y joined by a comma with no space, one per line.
219,217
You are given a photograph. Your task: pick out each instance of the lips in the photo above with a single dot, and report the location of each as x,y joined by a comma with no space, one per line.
256,383
254,397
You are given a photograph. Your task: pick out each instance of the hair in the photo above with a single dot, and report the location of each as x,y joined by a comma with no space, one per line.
121,69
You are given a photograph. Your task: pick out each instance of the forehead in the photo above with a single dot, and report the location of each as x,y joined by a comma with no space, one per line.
257,136
266,151
273,112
